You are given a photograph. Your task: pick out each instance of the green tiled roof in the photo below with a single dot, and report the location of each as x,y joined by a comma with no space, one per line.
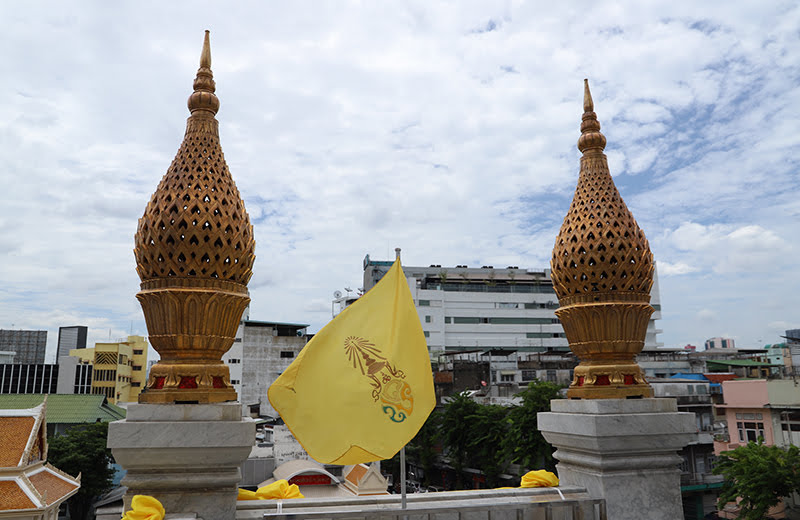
739,363
67,408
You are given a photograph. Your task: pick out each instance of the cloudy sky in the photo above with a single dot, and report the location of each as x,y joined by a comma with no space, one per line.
447,129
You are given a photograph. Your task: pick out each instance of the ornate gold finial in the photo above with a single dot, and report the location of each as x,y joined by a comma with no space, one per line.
602,271
203,97
194,251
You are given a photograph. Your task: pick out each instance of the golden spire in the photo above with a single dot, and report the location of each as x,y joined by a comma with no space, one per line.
194,250
602,271
203,97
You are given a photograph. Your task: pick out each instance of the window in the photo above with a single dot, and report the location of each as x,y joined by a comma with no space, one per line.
507,305
136,384
750,431
466,320
287,354
448,319
234,381
427,319
427,334
138,352
424,303
137,368
234,361
507,378
237,340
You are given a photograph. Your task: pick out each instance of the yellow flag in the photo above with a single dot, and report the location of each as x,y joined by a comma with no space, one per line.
362,387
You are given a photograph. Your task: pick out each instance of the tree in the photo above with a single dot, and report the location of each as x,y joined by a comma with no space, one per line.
759,476
457,431
489,426
82,450
422,448
524,444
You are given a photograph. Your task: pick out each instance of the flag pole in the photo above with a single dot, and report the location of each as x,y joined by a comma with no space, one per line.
403,477
403,449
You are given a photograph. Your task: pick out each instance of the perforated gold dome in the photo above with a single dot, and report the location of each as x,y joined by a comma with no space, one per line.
195,224
600,254
194,252
602,271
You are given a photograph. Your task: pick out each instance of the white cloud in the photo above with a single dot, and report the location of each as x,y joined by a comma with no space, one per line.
355,128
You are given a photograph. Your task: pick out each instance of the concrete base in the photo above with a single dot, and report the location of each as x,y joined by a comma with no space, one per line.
622,450
185,455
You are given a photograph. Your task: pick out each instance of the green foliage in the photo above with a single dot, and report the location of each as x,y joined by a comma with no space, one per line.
422,447
488,428
456,431
759,475
83,450
523,444
485,437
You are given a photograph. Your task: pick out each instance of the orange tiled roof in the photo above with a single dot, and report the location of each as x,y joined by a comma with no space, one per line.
358,471
51,486
12,497
14,435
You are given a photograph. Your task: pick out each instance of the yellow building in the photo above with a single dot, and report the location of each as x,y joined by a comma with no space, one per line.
119,368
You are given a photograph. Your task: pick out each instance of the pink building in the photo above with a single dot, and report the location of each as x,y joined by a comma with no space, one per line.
759,408
720,343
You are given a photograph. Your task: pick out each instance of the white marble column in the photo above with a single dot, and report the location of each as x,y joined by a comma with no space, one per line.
622,450
185,455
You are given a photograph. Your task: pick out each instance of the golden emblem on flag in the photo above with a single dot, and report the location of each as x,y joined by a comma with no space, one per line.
386,380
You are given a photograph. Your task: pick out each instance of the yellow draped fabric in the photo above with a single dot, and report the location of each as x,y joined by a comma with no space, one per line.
539,478
278,490
362,387
144,507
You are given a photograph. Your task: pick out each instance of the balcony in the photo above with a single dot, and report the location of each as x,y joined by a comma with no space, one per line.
494,504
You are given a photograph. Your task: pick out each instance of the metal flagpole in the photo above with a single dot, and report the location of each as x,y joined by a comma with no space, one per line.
403,477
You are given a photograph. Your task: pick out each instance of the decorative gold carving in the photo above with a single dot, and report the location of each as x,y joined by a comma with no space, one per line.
194,250
602,271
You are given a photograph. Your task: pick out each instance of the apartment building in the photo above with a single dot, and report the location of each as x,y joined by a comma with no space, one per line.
118,368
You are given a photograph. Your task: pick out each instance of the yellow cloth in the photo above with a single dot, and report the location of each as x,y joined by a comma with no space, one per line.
278,490
539,478
144,507
362,387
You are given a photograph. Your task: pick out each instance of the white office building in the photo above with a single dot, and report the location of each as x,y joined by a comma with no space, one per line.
498,310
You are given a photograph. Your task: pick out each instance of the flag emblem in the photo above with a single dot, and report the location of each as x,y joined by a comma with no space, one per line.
362,387
386,380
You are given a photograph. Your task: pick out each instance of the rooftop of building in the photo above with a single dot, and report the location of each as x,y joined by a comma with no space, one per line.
67,408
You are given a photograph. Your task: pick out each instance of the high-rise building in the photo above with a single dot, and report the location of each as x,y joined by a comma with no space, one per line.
70,338
29,346
118,368
499,310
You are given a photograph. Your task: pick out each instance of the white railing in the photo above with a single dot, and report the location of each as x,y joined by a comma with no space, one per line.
509,504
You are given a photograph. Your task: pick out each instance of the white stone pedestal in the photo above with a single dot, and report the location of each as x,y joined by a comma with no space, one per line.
185,455
622,450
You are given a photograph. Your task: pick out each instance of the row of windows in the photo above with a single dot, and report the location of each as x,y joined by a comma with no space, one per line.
545,335
469,320
234,381
234,361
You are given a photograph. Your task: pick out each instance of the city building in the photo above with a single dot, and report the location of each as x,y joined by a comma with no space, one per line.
760,409
70,338
492,309
29,346
30,488
118,368
36,378
699,486
260,353
720,343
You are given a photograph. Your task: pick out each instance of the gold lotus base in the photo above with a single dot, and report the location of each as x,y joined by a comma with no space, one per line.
617,381
188,383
